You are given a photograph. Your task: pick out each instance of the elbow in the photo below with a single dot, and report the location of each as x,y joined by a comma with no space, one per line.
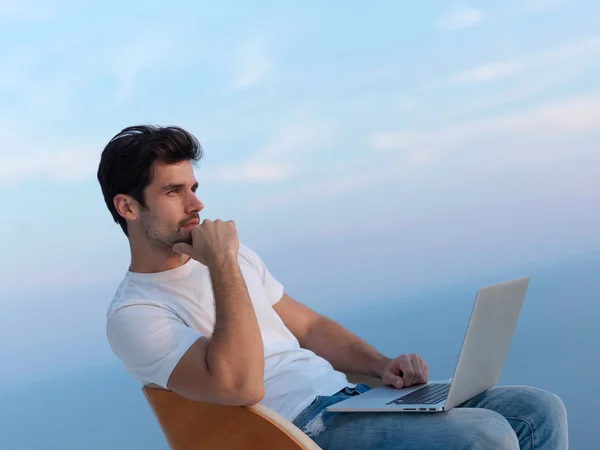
244,389
241,392
252,395
227,395
240,388
248,392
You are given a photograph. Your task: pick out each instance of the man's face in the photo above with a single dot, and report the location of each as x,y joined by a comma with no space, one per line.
172,205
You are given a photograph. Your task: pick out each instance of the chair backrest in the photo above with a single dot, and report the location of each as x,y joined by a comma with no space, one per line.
189,425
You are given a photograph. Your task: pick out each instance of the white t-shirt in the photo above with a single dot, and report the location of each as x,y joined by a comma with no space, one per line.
154,319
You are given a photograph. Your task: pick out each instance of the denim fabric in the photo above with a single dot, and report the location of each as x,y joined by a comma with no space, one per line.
503,418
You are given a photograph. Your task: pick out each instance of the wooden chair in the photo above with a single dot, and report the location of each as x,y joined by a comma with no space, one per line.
191,425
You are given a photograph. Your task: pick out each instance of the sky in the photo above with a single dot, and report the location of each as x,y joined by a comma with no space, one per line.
389,144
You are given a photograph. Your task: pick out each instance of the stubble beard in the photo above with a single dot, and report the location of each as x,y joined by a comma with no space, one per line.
161,237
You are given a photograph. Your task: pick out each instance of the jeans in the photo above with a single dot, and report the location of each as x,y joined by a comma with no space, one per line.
502,418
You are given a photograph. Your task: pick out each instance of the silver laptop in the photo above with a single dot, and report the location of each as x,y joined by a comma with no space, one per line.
485,346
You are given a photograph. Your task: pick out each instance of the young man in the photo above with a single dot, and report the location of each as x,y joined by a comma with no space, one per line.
199,314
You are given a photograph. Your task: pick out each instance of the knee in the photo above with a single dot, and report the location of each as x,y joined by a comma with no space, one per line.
478,429
550,404
492,430
541,406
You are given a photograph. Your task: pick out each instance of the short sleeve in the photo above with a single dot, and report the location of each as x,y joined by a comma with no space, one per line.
149,340
273,288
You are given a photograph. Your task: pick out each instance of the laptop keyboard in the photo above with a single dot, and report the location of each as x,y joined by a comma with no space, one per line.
427,395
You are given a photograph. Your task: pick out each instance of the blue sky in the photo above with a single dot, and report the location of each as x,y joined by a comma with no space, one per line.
390,144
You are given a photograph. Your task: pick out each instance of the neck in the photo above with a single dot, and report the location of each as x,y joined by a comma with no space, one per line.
148,259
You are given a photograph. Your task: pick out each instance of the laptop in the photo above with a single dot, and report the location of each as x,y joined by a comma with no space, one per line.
484,349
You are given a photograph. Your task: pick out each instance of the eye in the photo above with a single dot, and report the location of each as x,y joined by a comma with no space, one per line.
173,191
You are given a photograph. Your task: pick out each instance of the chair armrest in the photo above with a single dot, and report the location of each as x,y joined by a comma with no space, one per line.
191,425
286,426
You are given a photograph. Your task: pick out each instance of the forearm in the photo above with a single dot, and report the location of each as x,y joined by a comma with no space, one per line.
344,350
235,353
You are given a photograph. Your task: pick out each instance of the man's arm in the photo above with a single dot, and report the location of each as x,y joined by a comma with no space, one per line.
228,368
344,350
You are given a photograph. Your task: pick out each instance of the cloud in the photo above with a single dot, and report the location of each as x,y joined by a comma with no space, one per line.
542,136
38,81
250,63
277,159
541,66
460,19
327,188
251,172
45,87
63,166
487,72
546,124
143,51
297,141
528,7
45,79
21,10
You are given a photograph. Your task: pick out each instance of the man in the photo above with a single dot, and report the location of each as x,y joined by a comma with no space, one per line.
199,314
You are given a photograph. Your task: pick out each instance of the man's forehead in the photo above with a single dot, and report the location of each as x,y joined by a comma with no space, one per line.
166,174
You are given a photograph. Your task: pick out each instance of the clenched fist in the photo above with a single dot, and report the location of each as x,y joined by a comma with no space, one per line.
405,371
211,242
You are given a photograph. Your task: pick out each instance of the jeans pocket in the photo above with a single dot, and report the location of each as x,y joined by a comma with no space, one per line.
310,411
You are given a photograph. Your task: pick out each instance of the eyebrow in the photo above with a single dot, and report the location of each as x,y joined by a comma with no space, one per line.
170,186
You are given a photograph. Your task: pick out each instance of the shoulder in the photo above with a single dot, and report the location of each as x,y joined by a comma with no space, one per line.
146,331
139,319
127,294
149,339
132,310
251,257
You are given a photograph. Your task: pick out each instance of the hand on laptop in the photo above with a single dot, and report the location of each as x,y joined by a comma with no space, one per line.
405,371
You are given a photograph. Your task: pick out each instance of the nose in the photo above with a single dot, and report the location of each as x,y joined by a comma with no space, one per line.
194,205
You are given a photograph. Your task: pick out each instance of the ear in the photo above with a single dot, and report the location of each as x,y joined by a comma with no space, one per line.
126,206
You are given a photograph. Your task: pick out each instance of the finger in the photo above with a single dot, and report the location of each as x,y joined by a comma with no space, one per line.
418,366
408,371
391,379
423,366
184,248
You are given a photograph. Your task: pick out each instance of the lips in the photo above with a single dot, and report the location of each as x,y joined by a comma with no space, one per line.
190,224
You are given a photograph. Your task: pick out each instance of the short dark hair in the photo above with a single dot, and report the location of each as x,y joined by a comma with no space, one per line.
127,160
